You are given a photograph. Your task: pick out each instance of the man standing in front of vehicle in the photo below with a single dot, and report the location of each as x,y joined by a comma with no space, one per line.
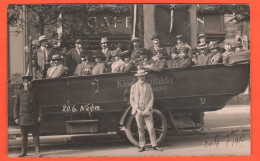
141,100
28,116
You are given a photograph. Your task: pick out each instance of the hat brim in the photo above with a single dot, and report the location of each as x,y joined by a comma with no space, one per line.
43,39
138,75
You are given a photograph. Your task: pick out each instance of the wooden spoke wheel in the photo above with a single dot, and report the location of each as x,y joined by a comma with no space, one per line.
160,127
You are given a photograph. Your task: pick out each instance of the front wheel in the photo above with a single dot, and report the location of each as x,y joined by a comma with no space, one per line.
160,127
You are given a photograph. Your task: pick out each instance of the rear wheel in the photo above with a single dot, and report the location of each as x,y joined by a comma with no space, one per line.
160,127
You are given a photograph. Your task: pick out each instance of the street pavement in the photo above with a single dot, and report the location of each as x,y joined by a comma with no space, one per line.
226,132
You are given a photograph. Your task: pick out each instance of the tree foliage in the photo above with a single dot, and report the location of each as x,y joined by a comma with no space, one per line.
241,12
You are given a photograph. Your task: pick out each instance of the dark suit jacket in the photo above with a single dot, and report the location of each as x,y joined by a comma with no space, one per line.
159,65
72,60
186,62
173,63
80,69
26,108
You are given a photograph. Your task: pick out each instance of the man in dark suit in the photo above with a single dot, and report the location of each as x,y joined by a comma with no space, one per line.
159,61
85,68
180,43
134,53
185,60
28,115
156,45
73,57
175,59
144,59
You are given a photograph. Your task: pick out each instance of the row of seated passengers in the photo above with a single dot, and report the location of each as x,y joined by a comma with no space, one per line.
121,62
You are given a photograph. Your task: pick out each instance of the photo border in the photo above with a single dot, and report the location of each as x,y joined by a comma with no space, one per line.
255,78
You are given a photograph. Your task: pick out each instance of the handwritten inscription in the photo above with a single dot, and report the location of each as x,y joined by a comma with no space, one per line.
81,108
231,138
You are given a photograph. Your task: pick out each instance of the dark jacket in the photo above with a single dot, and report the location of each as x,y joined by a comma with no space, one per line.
72,60
186,62
159,65
173,63
26,108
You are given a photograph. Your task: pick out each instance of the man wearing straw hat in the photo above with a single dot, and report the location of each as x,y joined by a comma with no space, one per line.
141,100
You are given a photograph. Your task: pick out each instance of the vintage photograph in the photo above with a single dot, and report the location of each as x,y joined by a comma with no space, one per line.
128,80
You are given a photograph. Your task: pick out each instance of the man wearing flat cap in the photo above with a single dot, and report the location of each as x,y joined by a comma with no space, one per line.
42,56
57,70
141,100
27,114
72,58
156,45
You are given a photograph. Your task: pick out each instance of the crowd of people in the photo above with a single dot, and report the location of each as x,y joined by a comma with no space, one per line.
49,63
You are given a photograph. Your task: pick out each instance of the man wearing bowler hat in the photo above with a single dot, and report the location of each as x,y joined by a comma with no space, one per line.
27,114
73,57
141,100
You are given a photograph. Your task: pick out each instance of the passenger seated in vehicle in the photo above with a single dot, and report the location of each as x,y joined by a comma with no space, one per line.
174,60
185,60
238,47
100,66
118,64
204,56
57,70
129,65
203,41
180,43
214,50
144,59
159,61
85,67
228,51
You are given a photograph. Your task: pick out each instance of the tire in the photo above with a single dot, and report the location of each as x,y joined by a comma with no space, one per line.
160,126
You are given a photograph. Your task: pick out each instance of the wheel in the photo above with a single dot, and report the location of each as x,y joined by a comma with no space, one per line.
160,127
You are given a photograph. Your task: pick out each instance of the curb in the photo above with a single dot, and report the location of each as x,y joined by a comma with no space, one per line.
70,139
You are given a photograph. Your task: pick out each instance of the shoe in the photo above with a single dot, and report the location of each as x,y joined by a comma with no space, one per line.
157,148
141,149
38,154
22,154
